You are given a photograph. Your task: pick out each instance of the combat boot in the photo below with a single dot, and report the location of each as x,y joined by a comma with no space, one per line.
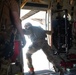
31,72
61,73
60,70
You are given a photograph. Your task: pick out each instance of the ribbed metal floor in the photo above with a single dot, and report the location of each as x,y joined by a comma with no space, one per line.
48,72
41,72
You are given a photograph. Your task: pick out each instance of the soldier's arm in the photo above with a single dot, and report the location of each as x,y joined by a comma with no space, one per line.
24,31
16,18
15,15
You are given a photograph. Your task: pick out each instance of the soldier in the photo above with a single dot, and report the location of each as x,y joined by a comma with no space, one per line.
37,36
9,20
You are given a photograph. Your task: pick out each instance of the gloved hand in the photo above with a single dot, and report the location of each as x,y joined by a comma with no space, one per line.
23,41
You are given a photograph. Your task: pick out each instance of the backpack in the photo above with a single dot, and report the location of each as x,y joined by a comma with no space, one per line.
38,33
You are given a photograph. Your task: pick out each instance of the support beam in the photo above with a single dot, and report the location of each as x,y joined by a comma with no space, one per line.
32,12
23,3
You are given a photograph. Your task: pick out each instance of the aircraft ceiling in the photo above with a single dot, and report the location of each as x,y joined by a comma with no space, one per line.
39,5
35,6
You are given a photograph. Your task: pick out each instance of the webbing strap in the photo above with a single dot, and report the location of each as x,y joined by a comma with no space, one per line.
1,9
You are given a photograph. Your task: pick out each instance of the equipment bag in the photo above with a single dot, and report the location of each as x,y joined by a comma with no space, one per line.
62,35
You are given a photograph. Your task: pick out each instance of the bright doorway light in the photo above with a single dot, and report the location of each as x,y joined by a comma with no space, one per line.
40,61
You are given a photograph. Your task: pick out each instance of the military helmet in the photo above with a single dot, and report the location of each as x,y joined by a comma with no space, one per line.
27,25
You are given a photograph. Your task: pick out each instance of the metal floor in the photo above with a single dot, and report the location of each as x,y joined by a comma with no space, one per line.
48,72
41,72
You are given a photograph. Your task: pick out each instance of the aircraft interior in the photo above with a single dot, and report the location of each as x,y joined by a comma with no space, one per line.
60,17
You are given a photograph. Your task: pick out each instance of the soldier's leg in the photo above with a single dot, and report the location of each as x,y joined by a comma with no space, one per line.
52,58
29,53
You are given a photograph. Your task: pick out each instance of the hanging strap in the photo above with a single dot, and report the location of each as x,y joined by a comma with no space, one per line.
1,10
1,13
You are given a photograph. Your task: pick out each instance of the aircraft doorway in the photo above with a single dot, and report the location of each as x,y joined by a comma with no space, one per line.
39,59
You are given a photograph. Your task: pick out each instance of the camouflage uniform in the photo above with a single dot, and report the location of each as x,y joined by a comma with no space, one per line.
37,36
6,23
